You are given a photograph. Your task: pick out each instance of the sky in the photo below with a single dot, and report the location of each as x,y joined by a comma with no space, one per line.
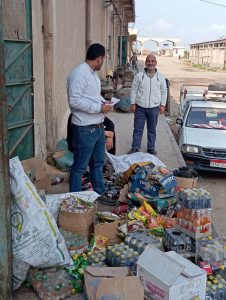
188,20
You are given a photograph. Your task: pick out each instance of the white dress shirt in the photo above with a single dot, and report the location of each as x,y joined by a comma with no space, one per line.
83,90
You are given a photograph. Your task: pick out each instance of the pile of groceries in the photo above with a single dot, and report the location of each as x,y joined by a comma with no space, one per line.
152,242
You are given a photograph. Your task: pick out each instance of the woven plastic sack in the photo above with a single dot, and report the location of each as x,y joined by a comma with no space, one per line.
36,240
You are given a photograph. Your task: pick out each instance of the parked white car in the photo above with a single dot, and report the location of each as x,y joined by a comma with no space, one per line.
202,131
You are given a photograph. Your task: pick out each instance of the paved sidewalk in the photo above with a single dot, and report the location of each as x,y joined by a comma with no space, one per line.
166,146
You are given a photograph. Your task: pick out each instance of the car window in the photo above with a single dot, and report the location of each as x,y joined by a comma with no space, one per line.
184,109
207,118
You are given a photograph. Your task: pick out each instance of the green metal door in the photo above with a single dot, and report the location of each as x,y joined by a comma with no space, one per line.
17,33
124,50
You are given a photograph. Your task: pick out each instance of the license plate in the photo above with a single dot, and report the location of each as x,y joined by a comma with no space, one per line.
218,163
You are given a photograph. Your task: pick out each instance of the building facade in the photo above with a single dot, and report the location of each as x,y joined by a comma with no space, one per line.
41,41
209,54
62,31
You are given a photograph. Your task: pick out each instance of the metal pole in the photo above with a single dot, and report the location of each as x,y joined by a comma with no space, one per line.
5,228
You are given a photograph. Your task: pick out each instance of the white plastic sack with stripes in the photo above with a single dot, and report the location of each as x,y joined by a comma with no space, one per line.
36,240
122,163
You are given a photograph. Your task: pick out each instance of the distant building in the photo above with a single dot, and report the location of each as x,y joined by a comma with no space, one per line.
178,51
210,54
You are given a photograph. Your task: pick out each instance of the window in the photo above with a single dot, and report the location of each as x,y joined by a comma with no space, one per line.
209,118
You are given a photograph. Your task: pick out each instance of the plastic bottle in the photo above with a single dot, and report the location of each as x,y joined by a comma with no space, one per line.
128,239
133,243
205,221
213,291
207,290
57,179
196,224
220,292
208,283
224,262
191,220
220,279
179,214
140,246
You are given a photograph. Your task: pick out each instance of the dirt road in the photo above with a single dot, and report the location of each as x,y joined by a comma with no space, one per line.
179,72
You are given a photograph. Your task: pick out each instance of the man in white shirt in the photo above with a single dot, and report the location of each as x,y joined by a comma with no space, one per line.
88,110
148,99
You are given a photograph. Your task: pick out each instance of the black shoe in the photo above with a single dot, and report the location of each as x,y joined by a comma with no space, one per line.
152,151
107,201
133,150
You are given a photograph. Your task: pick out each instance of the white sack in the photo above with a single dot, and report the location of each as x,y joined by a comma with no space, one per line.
122,163
36,239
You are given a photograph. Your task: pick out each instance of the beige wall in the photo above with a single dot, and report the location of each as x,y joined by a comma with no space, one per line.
38,71
103,25
101,28
69,50
67,34
211,57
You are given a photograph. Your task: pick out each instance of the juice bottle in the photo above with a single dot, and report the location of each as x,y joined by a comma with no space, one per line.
180,215
191,219
206,221
202,216
196,224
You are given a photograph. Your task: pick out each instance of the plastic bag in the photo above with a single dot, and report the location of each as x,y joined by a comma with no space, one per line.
123,162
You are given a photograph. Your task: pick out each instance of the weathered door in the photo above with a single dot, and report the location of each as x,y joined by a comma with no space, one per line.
124,50
17,34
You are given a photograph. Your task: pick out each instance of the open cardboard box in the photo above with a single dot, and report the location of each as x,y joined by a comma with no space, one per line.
80,223
169,276
186,183
108,230
111,283
43,174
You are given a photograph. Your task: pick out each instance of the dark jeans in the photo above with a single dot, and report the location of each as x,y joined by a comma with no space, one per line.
89,149
140,116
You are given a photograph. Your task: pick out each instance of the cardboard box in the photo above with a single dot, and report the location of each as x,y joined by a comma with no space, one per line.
161,202
169,276
111,283
80,223
132,169
186,183
43,174
123,194
108,230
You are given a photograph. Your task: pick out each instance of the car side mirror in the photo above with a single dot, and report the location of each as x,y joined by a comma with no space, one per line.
179,121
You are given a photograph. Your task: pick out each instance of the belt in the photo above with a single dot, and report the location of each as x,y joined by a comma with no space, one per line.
99,125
